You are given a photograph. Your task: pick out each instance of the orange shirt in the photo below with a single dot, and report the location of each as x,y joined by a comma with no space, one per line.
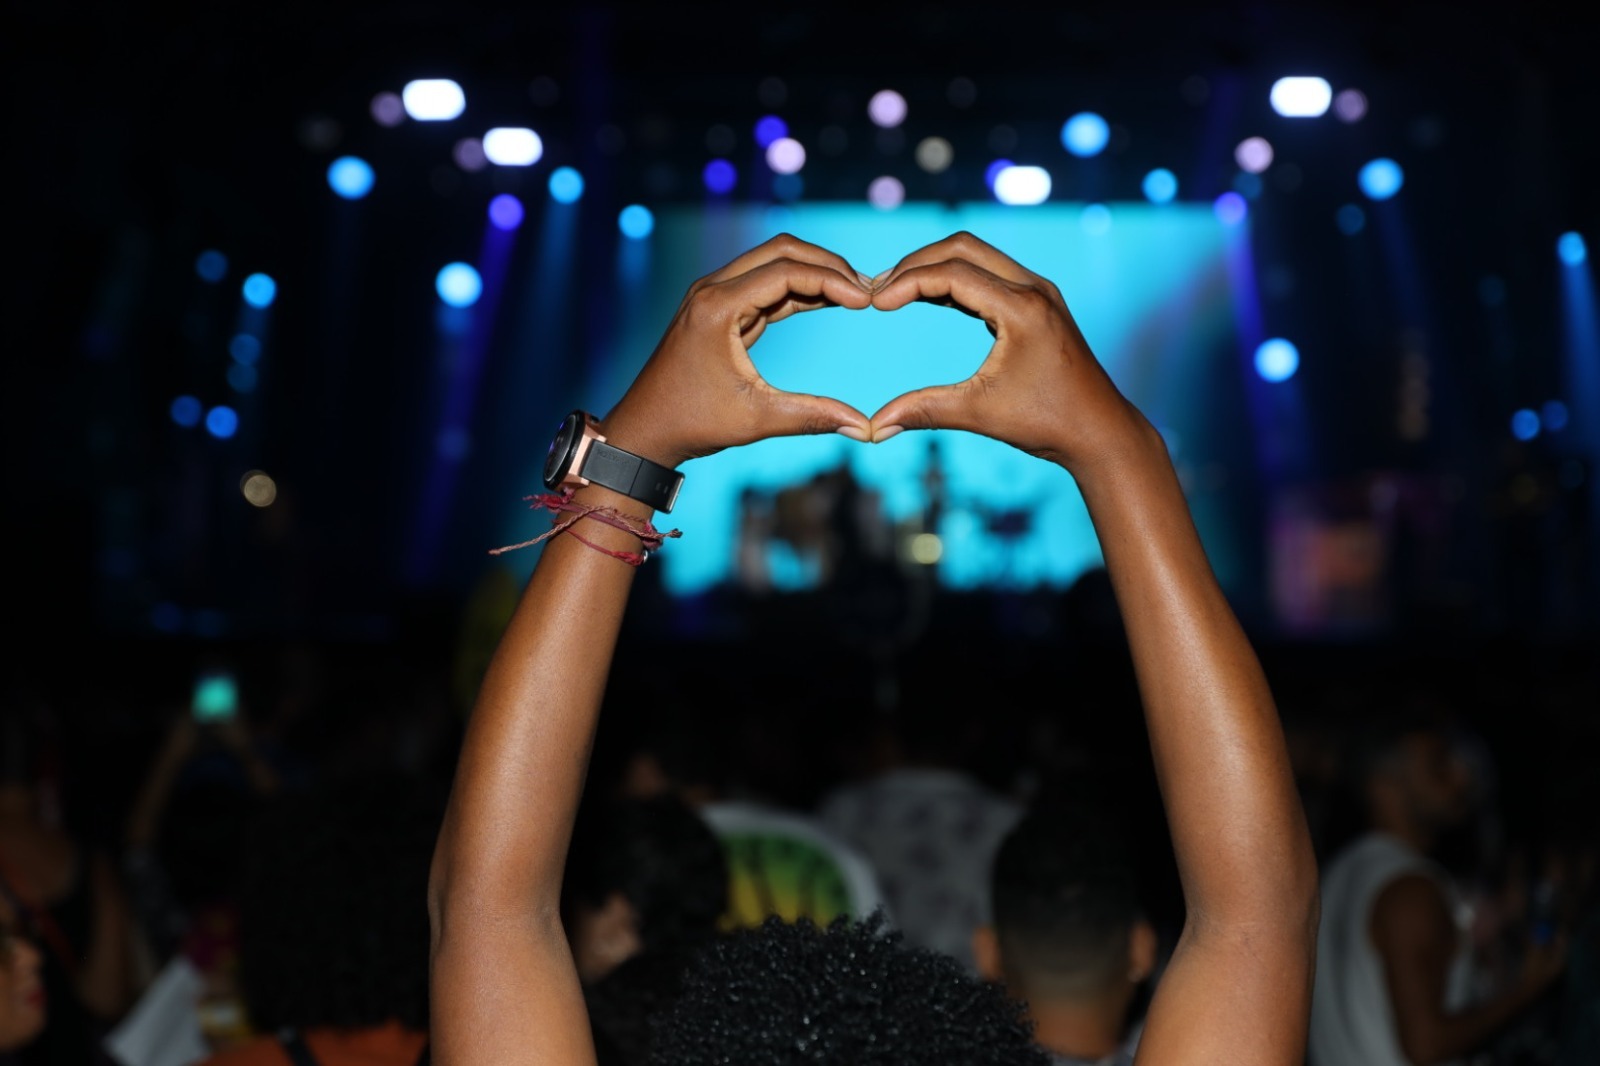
390,1044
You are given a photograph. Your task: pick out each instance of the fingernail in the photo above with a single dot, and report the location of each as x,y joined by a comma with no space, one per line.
853,433
866,282
878,278
881,435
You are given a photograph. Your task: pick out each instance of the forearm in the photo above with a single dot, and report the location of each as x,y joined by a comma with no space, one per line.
1442,1037
1238,830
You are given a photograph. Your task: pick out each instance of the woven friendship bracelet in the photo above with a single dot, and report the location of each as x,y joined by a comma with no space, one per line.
649,536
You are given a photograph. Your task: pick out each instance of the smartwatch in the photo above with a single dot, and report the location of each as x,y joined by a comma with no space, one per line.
579,456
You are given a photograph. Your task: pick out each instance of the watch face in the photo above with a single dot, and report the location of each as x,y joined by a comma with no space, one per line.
562,449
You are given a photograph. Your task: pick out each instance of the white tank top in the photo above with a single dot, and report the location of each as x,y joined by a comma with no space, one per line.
1352,1020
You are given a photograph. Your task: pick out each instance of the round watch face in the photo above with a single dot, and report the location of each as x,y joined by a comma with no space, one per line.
562,449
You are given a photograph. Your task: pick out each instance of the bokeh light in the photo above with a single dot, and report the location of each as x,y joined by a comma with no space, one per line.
211,265
1525,424
1095,219
1380,179
788,187
1160,186
1350,219
770,128
505,212
222,422
1230,208
566,185
887,108
993,171
1085,134
245,348
259,291
1572,249
886,193
458,285
1301,97
433,99
720,176
468,154
1254,155
1350,105
258,488
513,146
786,156
636,222
1020,186
1277,360
350,177
186,411
934,154
241,378
1554,416
387,109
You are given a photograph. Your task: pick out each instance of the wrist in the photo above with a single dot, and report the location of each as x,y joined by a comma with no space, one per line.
1127,442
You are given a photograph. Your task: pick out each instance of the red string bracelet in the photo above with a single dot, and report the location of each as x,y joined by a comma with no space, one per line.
649,536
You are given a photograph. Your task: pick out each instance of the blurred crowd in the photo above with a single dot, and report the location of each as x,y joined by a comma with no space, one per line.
237,875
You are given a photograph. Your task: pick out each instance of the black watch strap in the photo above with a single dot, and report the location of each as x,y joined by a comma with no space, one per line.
632,475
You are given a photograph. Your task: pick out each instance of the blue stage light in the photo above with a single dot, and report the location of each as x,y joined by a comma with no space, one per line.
222,422
1230,209
350,177
242,378
458,285
1553,415
1085,134
1571,248
720,176
566,185
505,212
788,187
1351,219
1277,360
1247,185
211,265
1381,179
1160,186
992,171
1525,424
259,291
186,411
245,349
636,222
770,128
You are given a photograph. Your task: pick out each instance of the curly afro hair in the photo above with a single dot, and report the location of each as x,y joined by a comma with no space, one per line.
853,992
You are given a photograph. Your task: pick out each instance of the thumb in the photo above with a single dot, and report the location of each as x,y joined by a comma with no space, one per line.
794,414
934,407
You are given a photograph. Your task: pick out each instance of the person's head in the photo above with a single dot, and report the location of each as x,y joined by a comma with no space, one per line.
22,1000
642,874
1411,779
333,922
1067,921
850,993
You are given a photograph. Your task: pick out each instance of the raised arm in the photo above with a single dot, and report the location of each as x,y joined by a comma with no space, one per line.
1239,985
503,986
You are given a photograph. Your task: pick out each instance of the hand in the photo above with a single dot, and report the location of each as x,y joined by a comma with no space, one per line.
699,392
1040,388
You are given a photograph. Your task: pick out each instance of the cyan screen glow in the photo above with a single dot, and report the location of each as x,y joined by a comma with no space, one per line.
1150,291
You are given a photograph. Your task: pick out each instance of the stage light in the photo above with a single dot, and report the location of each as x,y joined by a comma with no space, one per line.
1254,154
222,422
1247,185
350,177
433,99
458,285
512,146
1572,248
927,548
1095,219
934,154
1301,97
786,156
636,222
1020,186
720,176
258,488
387,109
468,154
211,265
993,170
241,378
1350,219
1350,105
769,129
566,185
245,349
1525,424
1160,186
1230,208
788,187
505,212
887,108
886,193
259,291
1553,415
1085,134
1277,360
186,411
1381,179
